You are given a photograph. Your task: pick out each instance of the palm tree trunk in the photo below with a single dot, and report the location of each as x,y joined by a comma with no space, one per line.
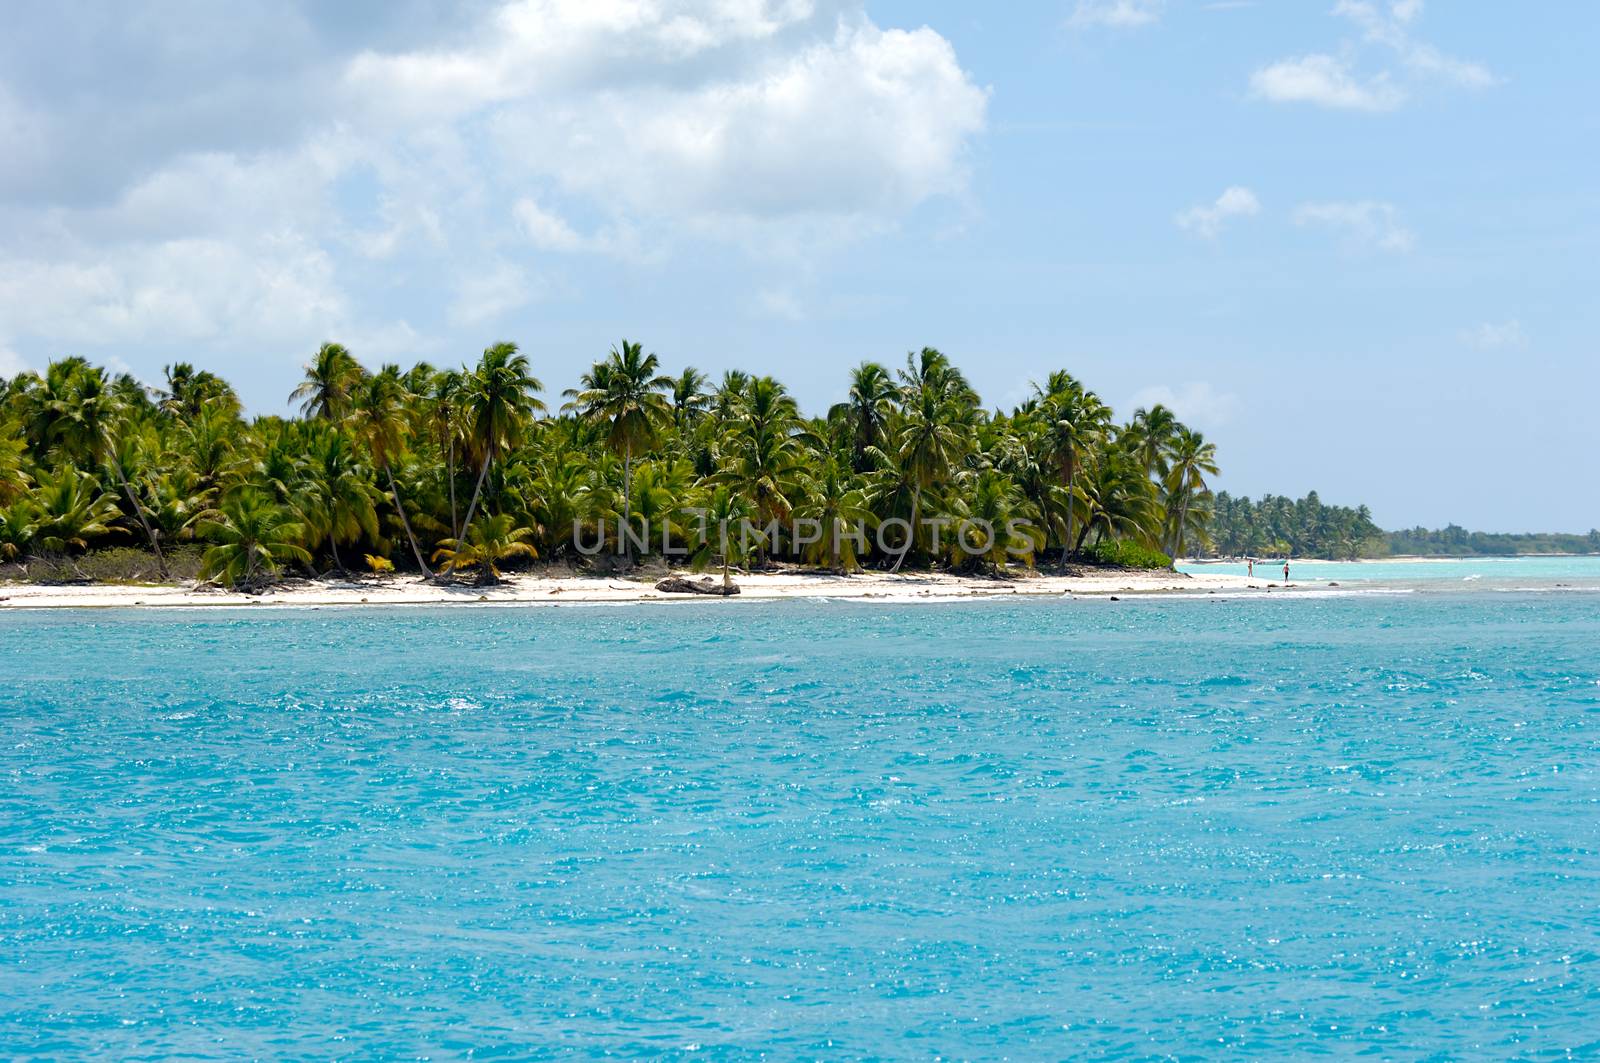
450,463
1177,534
1072,477
400,507
477,491
627,497
338,563
161,562
911,536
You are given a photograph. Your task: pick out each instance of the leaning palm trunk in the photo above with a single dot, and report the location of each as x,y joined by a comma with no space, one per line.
400,507
911,535
477,492
1177,533
1072,476
627,500
149,532
450,463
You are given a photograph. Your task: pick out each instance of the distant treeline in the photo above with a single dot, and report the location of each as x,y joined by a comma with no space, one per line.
1279,526
1307,527
1458,542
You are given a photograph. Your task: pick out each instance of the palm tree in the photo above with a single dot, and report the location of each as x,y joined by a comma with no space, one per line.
14,478
494,538
932,437
341,492
624,393
1154,432
380,422
836,502
690,400
499,404
331,375
1074,420
867,411
68,510
253,537
722,534
84,414
729,394
1192,460
189,390
1119,500
447,424
993,523
764,451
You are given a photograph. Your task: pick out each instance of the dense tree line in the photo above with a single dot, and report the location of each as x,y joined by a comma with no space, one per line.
1307,527
435,471
1457,541
1281,527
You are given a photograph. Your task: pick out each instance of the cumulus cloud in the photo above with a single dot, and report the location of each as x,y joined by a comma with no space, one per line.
1208,220
454,153
276,288
1116,14
1325,80
1386,30
1364,223
1197,402
1496,336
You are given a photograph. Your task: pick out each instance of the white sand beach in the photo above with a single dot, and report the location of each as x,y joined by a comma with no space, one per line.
575,590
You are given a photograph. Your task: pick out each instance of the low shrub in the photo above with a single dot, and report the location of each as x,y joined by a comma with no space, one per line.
1129,555
111,564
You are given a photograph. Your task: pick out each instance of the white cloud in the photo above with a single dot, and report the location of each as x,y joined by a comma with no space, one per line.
1330,81
547,231
543,128
868,123
1117,14
1325,80
1496,336
1365,223
1207,221
1197,402
274,288
484,294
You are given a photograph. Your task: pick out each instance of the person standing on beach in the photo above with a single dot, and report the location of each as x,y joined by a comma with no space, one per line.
1250,566
1286,570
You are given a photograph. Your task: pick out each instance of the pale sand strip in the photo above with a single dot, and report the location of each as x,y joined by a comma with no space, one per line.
533,590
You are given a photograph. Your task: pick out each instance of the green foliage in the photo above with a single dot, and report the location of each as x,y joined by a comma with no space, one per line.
1128,554
1454,541
395,466
254,538
1279,527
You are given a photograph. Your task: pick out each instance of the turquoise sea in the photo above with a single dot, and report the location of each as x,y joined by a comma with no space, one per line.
1469,574
1162,827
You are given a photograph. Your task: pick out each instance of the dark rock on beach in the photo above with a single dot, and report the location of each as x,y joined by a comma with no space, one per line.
704,585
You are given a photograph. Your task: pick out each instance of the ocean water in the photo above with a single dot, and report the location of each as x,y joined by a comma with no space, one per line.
1186,827
1515,574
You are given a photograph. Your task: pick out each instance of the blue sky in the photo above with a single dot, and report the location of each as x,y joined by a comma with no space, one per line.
1352,241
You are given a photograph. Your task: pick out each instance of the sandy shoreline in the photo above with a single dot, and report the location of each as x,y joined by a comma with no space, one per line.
571,590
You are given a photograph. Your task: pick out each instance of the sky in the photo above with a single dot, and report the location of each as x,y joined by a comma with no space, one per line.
1352,241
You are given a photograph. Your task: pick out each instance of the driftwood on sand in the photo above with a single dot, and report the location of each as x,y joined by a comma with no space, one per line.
704,585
